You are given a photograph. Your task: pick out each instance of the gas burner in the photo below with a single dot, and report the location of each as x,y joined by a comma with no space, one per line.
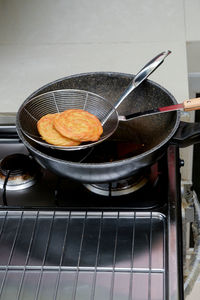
19,172
120,187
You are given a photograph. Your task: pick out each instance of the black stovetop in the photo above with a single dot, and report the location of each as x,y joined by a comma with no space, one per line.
52,191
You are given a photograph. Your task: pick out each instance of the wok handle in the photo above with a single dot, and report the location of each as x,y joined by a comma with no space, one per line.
187,134
191,104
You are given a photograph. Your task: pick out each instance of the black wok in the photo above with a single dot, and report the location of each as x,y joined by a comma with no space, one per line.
135,145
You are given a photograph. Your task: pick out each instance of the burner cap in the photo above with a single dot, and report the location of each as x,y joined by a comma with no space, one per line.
119,188
16,164
21,170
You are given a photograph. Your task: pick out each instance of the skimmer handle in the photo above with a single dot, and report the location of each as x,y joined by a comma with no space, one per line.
149,68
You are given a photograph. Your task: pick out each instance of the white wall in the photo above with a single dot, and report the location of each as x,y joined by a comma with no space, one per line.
192,21
192,24
41,41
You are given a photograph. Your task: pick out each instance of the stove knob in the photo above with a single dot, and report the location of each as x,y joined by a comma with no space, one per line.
181,163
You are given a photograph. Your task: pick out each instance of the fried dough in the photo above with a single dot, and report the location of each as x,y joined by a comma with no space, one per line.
50,134
79,125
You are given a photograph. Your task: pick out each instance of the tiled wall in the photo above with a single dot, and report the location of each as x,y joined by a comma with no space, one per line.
41,41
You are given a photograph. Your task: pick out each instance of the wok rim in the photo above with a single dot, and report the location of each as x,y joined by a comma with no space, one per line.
108,164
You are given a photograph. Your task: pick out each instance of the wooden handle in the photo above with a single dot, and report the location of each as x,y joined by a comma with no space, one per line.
191,104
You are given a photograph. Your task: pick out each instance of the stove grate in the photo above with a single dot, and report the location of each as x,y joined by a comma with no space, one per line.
82,255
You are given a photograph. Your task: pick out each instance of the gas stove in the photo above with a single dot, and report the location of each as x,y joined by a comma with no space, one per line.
63,239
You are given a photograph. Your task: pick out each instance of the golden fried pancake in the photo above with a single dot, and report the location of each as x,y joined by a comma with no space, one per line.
50,134
79,125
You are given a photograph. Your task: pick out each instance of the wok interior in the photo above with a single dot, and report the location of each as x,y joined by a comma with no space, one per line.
144,133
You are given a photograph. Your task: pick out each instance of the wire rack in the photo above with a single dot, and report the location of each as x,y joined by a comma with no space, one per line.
82,255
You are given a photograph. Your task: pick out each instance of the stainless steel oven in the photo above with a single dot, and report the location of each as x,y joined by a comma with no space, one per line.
63,239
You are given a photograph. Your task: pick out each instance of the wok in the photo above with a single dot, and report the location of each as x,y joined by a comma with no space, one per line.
135,145
57,101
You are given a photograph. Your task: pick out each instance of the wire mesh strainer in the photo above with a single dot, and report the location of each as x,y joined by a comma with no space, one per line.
60,100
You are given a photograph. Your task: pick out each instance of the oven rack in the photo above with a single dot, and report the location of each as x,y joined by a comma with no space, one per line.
83,255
